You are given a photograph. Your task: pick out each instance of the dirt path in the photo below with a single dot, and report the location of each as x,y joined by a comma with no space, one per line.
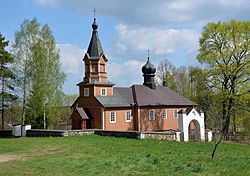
31,154
5,158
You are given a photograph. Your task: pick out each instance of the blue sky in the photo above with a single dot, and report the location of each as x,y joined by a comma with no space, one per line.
127,28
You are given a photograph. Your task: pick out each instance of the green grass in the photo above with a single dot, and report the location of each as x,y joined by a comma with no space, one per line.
96,155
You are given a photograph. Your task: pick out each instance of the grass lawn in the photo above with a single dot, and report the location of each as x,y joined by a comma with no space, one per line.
96,155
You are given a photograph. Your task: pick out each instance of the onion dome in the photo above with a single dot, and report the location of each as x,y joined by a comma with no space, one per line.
94,25
148,68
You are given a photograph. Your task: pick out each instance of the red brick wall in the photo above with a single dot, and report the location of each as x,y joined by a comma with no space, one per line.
158,123
97,117
108,89
120,124
77,122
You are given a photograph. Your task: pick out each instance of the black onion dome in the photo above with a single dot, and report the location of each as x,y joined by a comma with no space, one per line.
148,68
94,25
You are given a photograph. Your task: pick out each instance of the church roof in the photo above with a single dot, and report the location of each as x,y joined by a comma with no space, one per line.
143,96
117,100
162,95
95,47
82,113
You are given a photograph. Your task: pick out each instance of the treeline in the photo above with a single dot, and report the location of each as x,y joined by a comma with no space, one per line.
221,86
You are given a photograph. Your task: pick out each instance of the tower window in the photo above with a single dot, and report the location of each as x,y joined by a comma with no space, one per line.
86,92
112,117
103,92
151,115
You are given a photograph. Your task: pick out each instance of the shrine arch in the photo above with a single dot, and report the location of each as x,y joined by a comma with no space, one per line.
194,131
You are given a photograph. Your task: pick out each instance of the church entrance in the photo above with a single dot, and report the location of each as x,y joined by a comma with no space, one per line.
194,131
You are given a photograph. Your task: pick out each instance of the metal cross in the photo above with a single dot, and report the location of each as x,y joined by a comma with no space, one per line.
148,52
94,12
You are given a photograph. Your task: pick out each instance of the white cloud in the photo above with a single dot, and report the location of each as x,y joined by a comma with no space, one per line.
71,58
125,74
44,2
159,41
160,12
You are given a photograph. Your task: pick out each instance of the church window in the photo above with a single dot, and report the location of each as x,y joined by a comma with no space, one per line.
112,117
128,116
86,92
103,91
164,113
151,115
175,114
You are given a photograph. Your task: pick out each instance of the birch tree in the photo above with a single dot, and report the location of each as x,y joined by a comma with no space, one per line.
41,77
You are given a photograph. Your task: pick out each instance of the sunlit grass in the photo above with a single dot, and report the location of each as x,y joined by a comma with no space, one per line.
95,155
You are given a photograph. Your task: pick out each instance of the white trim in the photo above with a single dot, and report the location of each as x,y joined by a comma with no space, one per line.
149,117
114,117
86,92
185,120
103,119
126,115
139,119
105,92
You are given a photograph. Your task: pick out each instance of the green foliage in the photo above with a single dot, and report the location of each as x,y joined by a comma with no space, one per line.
25,39
35,49
225,51
68,100
6,78
96,155
177,79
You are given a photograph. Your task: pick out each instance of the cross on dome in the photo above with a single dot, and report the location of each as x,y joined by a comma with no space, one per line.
94,12
148,52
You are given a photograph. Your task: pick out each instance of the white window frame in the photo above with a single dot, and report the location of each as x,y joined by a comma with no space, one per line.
126,116
166,113
105,91
153,114
175,110
86,92
110,117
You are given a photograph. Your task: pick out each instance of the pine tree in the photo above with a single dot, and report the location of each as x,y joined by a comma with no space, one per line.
6,77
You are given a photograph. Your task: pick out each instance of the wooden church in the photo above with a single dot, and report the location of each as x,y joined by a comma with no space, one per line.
146,107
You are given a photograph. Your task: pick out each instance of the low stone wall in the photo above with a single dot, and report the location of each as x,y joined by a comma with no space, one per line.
125,134
239,138
45,133
159,135
5,133
79,132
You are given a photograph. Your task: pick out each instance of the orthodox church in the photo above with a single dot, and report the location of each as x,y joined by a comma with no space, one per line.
146,107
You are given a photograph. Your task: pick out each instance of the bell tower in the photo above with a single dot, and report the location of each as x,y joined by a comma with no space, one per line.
95,81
